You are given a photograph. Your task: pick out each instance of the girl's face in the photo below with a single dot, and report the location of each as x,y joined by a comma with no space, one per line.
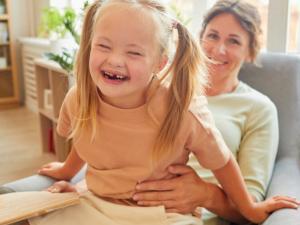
226,43
124,56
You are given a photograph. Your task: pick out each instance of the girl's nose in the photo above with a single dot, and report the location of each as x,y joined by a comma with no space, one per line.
115,60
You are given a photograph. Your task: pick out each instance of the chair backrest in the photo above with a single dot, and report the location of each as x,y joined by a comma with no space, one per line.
278,77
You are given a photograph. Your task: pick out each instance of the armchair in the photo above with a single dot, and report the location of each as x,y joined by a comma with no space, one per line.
279,78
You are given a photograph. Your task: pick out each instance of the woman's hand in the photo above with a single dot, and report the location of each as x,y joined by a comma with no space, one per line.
262,210
182,194
55,170
61,186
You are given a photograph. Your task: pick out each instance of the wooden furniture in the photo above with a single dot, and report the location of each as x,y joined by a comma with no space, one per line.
32,48
52,86
9,94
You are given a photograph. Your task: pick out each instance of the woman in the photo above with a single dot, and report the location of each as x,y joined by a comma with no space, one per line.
246,118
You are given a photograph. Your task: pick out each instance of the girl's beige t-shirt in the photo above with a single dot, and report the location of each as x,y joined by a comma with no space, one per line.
120,155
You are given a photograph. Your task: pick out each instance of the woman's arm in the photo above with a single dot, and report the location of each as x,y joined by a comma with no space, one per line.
186,192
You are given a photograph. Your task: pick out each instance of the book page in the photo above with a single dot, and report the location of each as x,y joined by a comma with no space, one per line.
18,206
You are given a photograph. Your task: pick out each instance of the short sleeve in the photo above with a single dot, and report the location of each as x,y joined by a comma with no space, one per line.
66,113
205,140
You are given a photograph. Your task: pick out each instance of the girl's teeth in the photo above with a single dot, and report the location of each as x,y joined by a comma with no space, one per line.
113,76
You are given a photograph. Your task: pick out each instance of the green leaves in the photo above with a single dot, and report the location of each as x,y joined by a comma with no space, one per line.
51,23
60,23
56,24
65,59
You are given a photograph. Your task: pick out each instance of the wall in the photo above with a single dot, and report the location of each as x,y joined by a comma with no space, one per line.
25,17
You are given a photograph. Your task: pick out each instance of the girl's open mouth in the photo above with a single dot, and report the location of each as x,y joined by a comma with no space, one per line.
115,77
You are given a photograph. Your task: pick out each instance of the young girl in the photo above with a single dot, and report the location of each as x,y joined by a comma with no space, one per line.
129,126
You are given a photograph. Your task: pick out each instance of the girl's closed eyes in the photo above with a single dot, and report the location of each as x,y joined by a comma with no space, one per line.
104,47
133,53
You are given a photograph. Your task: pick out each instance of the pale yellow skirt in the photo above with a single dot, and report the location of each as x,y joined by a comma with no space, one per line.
93,210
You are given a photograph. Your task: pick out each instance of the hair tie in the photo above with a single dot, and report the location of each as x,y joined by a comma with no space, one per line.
174,24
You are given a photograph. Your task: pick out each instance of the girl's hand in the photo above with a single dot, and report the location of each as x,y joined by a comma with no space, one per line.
54,170
263,209
61,186
182,194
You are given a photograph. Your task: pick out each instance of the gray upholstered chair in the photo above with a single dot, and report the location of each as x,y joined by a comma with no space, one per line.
279,78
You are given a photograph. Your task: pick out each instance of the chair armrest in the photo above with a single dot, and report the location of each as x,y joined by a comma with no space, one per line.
38,182
285,181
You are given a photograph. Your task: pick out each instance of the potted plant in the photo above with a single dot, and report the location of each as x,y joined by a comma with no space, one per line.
63,23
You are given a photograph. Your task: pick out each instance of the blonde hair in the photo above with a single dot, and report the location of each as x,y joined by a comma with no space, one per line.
246,14
185,70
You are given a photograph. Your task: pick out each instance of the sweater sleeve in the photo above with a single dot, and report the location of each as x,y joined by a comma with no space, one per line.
205,140
258,147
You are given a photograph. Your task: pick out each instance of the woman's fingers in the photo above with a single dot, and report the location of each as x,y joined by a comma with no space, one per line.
167,204
158,185
154,196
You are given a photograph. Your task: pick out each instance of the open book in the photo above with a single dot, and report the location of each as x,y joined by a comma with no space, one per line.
18,206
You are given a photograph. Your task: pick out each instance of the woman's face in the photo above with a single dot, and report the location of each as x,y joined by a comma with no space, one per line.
227,44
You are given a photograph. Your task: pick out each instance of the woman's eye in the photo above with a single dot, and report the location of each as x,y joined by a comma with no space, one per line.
212,36
234,41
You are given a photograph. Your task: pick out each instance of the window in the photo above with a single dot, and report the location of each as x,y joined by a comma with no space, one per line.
59,3
294,26
189,10
278,29
76,4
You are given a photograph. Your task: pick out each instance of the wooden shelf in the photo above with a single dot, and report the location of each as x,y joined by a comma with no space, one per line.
49,114
4,17
5,69
52,86
7,100
9,85
5,44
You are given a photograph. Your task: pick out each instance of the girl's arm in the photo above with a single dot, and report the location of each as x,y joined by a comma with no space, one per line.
258,147
66,170
233,184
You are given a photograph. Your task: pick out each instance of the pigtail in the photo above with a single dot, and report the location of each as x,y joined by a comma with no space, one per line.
187,78
87,102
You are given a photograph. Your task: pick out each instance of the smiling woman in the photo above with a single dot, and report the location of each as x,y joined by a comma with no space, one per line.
227,49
